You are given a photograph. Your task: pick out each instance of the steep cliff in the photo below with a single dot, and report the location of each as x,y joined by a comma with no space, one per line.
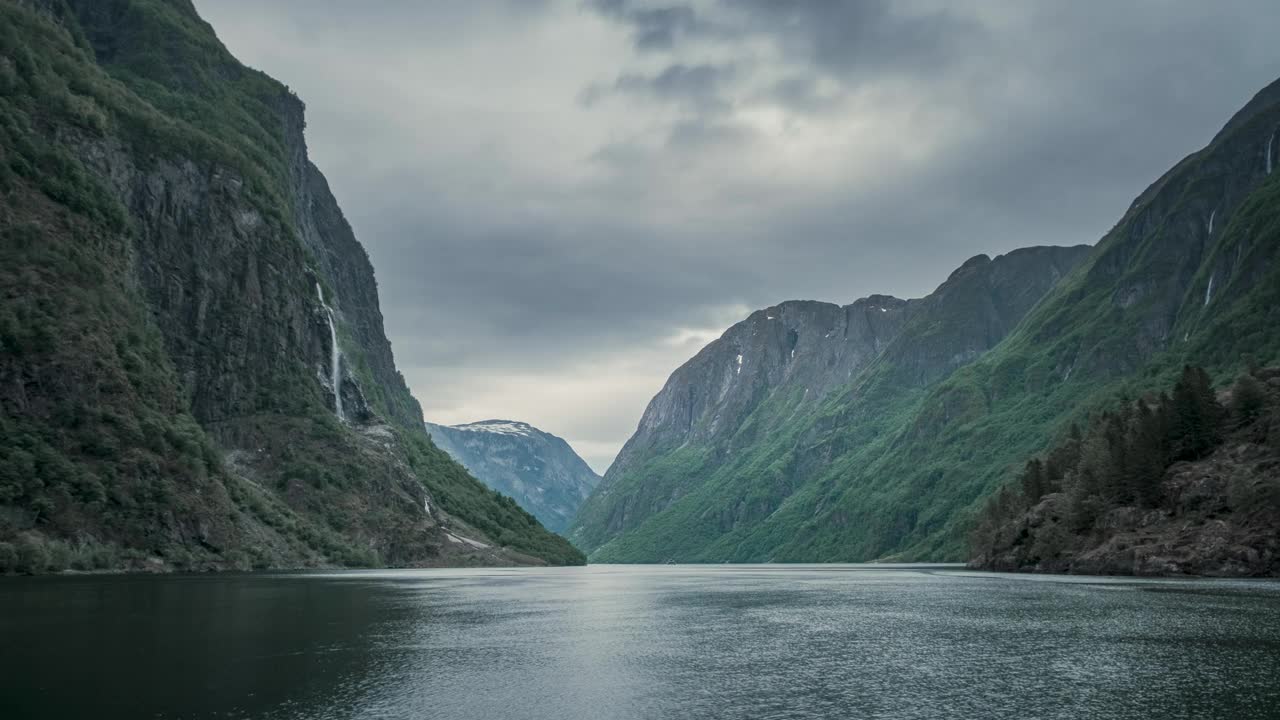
194,371
735,433
536,469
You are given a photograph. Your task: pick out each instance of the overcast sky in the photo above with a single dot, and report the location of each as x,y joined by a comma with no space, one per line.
566,200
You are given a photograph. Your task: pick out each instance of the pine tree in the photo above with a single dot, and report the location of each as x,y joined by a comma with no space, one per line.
1248,399
1115,481
1148,456
1034,485
1195,422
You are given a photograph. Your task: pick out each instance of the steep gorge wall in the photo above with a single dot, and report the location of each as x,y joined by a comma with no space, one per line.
217,239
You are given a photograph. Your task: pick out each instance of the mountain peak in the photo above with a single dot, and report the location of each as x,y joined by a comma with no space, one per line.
538,470
503,427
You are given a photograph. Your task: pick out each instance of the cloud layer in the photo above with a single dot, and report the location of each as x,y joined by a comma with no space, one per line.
565,200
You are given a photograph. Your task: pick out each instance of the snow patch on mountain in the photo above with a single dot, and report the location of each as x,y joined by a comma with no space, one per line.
503,427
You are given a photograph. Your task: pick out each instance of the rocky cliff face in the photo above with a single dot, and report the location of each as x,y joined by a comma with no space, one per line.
536,469
743,414
811,347
1175,258
979,304
226,393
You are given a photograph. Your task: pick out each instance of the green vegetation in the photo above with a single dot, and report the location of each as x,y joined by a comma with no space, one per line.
1066,503
105,462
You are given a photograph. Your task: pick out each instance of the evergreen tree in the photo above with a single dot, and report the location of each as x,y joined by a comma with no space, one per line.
1121,457
1034,485
1115,482
1248,399
1148,456
1196,417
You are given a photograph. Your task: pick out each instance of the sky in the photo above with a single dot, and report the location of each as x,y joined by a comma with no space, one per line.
565,200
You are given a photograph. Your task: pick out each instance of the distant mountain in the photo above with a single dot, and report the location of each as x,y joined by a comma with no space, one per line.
712,450
537,469
991,369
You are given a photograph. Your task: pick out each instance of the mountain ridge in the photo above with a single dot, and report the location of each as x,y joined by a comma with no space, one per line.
537,469
816,350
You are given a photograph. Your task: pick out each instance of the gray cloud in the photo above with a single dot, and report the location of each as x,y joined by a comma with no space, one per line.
847,37
697,87
863,36
564,200
653,27
699,134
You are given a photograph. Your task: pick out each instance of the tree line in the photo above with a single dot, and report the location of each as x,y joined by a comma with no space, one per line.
1120,458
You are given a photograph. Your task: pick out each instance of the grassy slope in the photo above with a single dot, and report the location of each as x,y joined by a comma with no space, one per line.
101,463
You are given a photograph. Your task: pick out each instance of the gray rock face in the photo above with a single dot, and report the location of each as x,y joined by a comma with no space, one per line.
979,304
806,346
344,263
762,380
223,284
537,469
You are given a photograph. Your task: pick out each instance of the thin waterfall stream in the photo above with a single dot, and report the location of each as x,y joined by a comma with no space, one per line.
335,356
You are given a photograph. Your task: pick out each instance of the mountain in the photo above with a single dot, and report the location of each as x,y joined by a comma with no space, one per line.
193,368
536,469
896,463
716,450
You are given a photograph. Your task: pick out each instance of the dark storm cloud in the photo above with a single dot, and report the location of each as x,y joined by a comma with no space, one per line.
844,37
563,200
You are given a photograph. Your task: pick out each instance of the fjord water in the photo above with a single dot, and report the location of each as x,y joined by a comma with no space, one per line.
639,642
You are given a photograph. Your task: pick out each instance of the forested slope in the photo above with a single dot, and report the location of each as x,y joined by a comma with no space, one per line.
193,371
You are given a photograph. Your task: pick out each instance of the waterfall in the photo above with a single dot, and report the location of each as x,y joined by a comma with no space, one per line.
1269,141
1208,292
335,356
1215,212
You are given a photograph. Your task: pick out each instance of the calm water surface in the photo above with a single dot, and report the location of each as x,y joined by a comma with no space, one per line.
638,642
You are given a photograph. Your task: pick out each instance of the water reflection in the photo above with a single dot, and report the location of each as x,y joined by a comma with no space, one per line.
640,642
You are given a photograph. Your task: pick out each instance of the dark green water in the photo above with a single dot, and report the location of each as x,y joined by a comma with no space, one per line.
638,642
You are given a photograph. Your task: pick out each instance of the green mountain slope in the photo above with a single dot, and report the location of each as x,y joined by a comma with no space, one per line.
896,464
707,466
193,370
